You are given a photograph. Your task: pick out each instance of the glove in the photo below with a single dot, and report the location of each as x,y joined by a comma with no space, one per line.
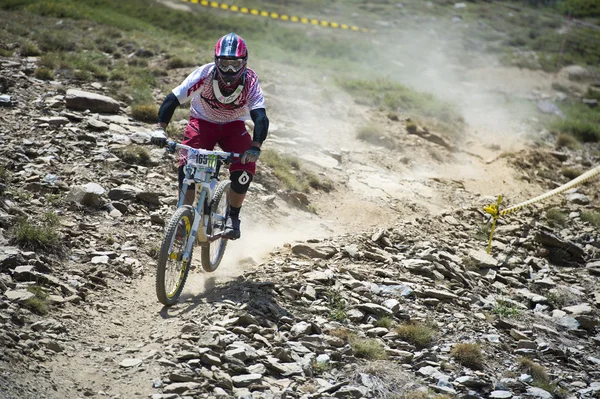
251,155
159,137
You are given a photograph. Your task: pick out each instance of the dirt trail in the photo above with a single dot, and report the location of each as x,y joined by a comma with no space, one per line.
373,188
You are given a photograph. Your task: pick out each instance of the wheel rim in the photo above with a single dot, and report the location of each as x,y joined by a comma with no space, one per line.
176,268
218,226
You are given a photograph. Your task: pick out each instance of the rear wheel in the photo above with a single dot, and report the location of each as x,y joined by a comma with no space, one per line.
172,271
212,253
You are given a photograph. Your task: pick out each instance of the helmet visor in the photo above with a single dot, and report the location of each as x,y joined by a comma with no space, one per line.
230,64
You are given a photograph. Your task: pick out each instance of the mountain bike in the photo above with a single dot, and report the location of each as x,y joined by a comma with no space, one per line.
202,223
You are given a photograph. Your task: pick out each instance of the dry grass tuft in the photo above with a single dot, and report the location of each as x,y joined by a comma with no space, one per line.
145,112
419,334
468,355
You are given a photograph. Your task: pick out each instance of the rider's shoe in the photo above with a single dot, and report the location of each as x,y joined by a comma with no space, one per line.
232,228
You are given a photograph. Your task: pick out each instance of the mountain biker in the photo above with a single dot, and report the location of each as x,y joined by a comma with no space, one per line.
223,94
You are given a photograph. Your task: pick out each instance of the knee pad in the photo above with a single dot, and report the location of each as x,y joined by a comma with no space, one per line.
240,181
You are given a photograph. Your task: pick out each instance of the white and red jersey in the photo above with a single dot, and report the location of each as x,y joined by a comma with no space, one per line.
198,87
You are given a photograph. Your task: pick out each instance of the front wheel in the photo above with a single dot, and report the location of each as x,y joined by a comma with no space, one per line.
172,271
212,253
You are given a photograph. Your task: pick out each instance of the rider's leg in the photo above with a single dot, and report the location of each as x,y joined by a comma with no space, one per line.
236,139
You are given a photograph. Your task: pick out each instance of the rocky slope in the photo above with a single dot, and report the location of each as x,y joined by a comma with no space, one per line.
380,313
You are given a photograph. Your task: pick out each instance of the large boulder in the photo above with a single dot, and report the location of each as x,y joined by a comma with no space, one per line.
82,100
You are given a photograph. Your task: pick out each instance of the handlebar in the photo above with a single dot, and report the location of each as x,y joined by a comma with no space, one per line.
172,146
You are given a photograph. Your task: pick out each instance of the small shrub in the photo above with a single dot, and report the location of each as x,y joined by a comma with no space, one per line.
145,112
291,174
393,117
367,348
370,133
556,217
337,304
134,154
177,62
39,302
385,322
568,141
580,121
320,367
593,93
44,74
41,236
506,309
342,333
30,49
538,373
556,298
54,199
411,127
468,355
319,183
571,173
592,217
419,334
5,52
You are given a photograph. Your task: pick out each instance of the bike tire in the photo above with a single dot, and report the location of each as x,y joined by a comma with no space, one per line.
212,253
185,215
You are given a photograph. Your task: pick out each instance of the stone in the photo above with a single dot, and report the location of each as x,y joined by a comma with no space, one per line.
18,295
375,309
314,251
578,199
583,308
181,387
483,259
439,294
302,328
82,100
128,363
123,192
245,380
87,195
539,393
500,395
575,72
351,391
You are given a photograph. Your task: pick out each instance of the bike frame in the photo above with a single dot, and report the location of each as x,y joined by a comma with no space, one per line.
204,175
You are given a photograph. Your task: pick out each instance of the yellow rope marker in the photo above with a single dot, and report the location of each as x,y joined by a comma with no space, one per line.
494,209
275,15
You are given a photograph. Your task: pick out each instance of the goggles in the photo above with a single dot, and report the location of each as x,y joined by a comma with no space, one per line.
230,64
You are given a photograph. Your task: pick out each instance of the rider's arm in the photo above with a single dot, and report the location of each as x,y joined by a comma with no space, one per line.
182,94
261,125
168,107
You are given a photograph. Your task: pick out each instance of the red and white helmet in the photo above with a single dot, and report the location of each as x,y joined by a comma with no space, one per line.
231,56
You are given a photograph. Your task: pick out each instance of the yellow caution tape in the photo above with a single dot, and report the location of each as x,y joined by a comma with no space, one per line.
494,209
274,15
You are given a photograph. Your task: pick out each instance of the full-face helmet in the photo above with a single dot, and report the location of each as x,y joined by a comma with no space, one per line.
231,56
